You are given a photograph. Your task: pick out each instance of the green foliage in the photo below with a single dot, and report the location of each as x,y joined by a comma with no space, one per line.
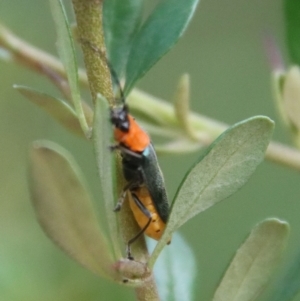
64,209
287,92
135,50
175,270
61,111
121,21
65,47
292,28
138,49
225,167
102,138
60,197
157,35
254,262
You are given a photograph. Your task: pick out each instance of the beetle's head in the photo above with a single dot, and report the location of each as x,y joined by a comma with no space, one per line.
119,118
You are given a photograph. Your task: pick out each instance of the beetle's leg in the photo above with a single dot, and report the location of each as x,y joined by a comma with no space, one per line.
147,214
114,147
121,199
129,152
125,150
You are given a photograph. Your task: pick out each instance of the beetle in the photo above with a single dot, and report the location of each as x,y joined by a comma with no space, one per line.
144,178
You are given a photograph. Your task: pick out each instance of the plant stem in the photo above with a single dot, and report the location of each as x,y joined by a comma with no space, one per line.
90,33
161,110
283,155
31,57
89,28
148,291
140,102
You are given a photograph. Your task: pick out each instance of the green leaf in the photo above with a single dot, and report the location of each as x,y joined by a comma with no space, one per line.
182,107
55,107
222,170
291,96
65,47
254,262
278,82
292,28
175,270
102,137
225,168
121,19
160,32
286,88
64,209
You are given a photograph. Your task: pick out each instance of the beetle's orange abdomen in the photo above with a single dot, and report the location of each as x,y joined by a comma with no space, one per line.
156,226
136,139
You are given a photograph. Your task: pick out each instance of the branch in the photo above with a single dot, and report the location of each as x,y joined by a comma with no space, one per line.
90,33
140,102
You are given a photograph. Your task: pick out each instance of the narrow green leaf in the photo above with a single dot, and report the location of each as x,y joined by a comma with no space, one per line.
182,106
102,137
121,19
225,167
291,96
175,270
287,95
292,28
65,47
55,107
157,36
254,262
278,82
64,209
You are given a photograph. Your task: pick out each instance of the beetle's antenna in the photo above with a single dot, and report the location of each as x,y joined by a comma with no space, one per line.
113,73
115,78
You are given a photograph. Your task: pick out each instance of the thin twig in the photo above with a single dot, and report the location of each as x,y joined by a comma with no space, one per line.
33,58
283,155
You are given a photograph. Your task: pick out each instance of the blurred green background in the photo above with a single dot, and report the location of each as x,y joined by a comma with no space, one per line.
224,53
